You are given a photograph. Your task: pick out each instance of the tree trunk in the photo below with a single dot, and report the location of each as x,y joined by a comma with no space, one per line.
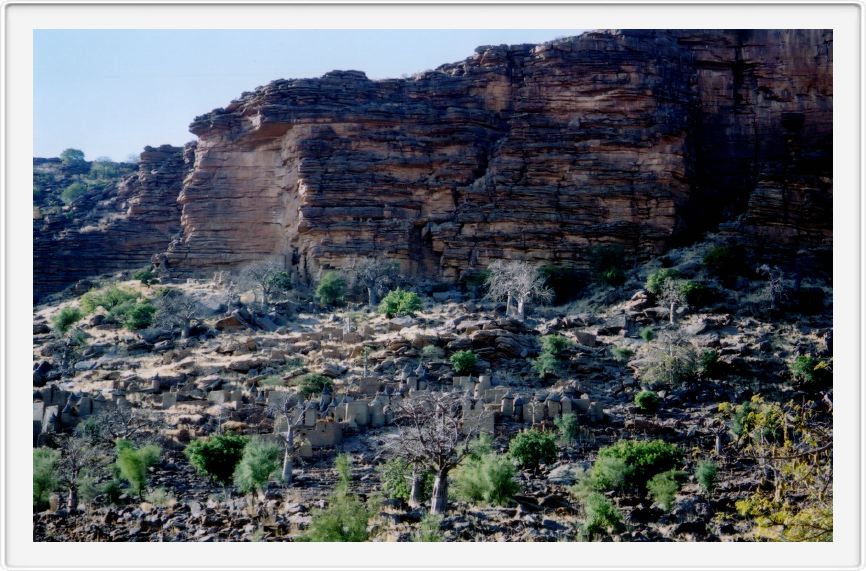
372,297
673,306
439,501
72,499
417,488
521,308
187,328
508,305
288,465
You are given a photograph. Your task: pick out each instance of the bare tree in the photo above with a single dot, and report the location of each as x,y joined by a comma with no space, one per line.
375,275
267,277
672,295
177,310
518,282
775,291
285,409
432,436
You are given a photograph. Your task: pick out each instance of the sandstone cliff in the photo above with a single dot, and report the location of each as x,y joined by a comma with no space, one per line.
119,228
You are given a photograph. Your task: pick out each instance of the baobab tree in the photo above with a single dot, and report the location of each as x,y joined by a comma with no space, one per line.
375,275
177,310
292,417
433,437
519,282
269,278
673,295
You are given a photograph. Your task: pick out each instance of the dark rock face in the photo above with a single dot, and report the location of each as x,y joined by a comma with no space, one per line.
638,138
119,229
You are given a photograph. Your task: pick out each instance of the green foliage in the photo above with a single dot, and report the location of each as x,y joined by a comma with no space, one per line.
432,353
395,475
647,401
278,280
664,486
346,517
400,302
568,427
725,262
706,474
485,477
546,364
601,515
132,463
631,463
259,463
73,192
104,168
464,362
145,275
708,363
655,282
71,157
563,280
160,497
45,481
647,333
697,294
555,343
606,262
314,384
430,528
109,298
809,371
137,315
533,447
670,366
755,420
217,456
112,490
331,289
87,488
67,316
621,354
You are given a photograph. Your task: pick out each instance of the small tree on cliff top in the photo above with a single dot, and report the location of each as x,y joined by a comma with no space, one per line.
516,281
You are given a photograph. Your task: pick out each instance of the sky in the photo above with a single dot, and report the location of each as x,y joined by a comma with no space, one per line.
111,92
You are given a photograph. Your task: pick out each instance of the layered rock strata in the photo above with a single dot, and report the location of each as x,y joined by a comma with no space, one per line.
119,229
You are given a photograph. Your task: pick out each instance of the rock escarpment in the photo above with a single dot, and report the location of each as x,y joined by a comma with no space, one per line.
119,228
638,138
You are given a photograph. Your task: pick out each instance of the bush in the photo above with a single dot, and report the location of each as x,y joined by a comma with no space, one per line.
67,316
647,334
725,262
314,384
555,344
663,488
546,364
45,480
278,281
399,302
607,264
621,354
464,362
331,289
655,282
217,456
670,366
602,517
146,276
568,427
631,463
708,363
533,447
108,298
485,477
395,475
259,463
345,518
132,463
697,294
138,316
160,497
809,371
87,488
647,401
705,474
430,528
73,192
432,353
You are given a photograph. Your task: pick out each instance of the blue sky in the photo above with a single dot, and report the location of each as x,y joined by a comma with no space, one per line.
111,92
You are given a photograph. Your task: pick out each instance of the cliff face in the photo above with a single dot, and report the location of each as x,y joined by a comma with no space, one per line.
629,137
120,228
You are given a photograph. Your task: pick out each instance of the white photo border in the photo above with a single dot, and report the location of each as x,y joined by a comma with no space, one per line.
18,19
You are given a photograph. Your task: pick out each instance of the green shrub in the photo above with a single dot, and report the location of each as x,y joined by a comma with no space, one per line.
217,456
430,528
563,280
331,289
708,363
655,282
669,367
647,333
314,384
432,353
647,401
485,477
725,262
132,463
87,488
138,316
399,302
146,276
464,362
112,490
45,479
260,462
664,486
531,448
612,277
601,515
809,371
705,474
631,463
546,364
278,281
67,316
607,264
395,475
555,344
621,354
568,427
346,517
108,298
697,294
73,192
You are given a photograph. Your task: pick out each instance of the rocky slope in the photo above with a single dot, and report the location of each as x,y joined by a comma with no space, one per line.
118,228
638,138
